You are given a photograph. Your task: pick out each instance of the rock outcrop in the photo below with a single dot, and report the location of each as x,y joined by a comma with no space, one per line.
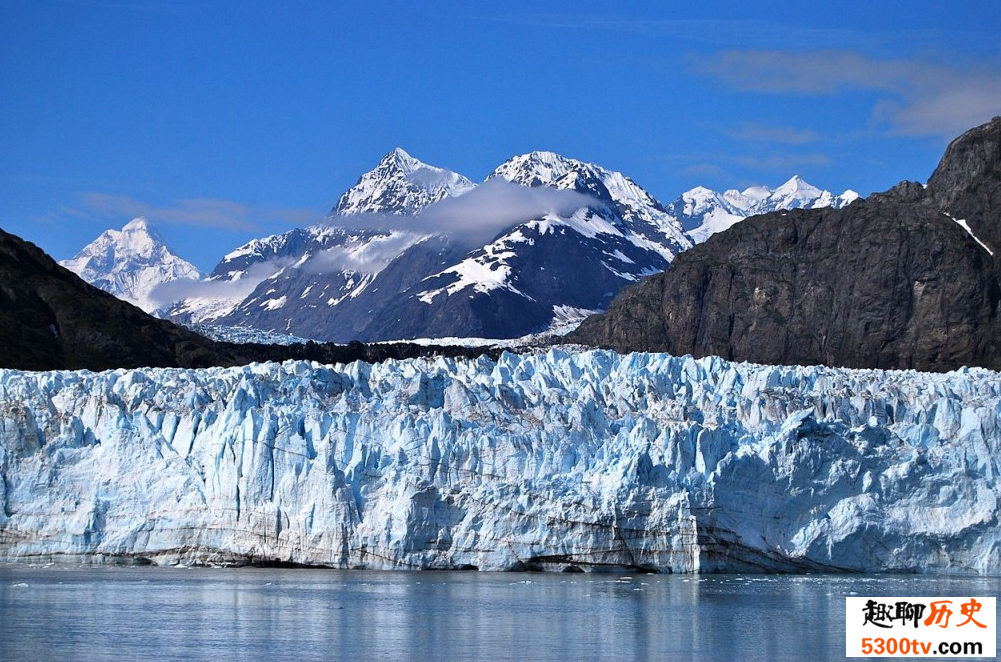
51,319
967,182
905,279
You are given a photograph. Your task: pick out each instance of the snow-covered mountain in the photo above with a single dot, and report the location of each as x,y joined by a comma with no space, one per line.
400,184
575,259
332,282
378,269
704,212
558,461
308,280
130,263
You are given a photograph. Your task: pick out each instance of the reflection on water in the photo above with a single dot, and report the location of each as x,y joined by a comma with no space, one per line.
61,613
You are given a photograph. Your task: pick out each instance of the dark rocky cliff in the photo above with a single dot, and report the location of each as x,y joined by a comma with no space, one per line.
967,182
887,282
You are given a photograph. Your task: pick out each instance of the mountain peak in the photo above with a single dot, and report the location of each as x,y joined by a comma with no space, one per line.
137,223
139,236
547,156
130,263
541,168
401,159
400,184
700,192
797,184
801,302
967,182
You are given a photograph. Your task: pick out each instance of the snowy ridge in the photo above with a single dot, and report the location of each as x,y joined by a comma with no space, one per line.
587,460
339,265
400,184
130,263
318,266
704,212
643,217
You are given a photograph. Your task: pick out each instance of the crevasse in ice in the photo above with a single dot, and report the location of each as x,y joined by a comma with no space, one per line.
560,460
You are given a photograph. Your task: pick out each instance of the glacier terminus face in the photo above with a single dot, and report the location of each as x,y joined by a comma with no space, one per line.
561,460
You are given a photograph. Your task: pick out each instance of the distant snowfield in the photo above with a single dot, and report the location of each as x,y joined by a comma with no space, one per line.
554,460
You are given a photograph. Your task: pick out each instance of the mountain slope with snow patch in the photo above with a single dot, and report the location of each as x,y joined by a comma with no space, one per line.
578,258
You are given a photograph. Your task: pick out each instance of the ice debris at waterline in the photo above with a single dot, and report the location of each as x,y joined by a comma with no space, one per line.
556,461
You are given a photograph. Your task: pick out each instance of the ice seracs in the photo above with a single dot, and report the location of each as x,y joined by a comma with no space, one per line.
131,263
563,460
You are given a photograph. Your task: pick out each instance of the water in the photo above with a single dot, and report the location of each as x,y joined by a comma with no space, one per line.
85,613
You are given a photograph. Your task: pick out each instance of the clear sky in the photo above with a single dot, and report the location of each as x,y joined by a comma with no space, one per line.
223,121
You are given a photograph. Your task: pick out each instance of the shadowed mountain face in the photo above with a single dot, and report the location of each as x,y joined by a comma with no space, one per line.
50,319
894,281
967,182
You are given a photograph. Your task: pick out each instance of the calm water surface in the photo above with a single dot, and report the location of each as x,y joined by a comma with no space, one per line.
76,613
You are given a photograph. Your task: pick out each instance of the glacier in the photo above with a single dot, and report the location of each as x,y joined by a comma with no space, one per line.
555,460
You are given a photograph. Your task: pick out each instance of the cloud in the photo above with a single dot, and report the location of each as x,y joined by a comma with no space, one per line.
718,165
216,290
368,257
199,212
479,215
752,132
818,72
916,97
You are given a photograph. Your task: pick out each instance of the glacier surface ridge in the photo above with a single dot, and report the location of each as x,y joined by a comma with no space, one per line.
563,460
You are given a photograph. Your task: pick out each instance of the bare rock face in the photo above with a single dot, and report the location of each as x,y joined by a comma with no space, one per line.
894,281
967,182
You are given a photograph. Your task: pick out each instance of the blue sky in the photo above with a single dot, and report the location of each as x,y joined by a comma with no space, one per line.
224,121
